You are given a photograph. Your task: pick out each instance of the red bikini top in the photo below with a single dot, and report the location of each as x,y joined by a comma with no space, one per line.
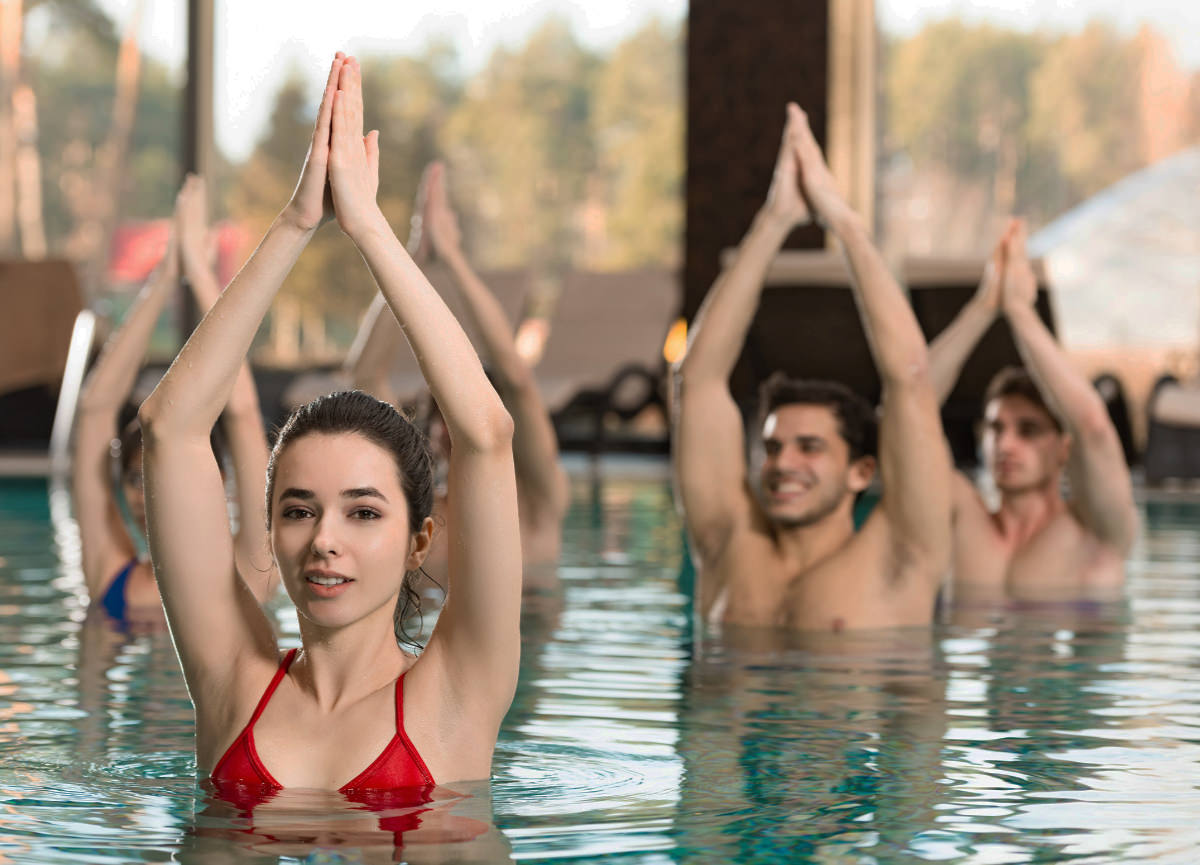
398,766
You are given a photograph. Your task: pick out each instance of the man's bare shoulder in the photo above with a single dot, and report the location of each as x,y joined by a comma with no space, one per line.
744,581
1060,558
897,566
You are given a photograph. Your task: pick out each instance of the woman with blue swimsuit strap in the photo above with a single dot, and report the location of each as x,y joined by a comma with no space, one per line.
118,581
349,493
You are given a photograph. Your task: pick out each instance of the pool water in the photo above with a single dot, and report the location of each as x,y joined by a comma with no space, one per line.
1058,734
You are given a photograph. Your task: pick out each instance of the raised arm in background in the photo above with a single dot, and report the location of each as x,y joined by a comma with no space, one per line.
709,442
950,350
106,543
379,338
1101,488
224,640
540,476
472,656
914,460
242,418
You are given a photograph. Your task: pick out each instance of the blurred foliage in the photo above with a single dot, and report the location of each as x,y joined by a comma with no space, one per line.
980,122
557,157
560,157
1085,106
520,150
956,92
73,77
638,126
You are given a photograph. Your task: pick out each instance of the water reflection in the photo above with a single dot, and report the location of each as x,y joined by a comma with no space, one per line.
801,745
438,824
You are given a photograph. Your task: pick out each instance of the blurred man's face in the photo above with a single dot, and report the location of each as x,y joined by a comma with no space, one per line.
1022,448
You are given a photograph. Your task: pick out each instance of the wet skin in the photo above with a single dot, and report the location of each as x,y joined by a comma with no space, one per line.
1034,547
801,564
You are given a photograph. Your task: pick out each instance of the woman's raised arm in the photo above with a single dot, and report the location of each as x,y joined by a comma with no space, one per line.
224,640
242,417
105,540
477,638
540,475
379,338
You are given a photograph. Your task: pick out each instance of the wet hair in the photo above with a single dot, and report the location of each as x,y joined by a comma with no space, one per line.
128,444
1016,381
856,420
381,424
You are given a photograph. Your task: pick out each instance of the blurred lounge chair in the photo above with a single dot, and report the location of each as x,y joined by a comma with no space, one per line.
41,301
938,289
1173,436
604,353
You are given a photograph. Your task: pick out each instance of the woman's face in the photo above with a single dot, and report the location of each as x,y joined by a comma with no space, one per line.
339,528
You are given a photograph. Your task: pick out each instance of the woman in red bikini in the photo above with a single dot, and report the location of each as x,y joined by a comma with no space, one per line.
349,492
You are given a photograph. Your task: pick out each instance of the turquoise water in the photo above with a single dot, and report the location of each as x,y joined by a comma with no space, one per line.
1033,735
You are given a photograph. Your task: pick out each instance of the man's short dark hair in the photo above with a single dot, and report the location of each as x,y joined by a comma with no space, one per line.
1016,381
857,424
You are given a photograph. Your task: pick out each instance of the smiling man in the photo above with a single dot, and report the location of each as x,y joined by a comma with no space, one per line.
1039,423
778,546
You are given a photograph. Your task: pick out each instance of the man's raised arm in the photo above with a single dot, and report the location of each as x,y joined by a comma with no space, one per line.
1101,489
948,353
709,456
914,461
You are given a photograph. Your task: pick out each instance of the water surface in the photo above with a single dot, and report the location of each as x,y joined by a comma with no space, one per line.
1053,734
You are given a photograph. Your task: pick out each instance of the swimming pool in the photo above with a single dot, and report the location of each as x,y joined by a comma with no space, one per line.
1036,735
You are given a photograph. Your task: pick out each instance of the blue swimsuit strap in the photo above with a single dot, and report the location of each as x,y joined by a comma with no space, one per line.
113,601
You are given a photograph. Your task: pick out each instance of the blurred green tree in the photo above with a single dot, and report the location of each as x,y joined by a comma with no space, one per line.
638,130
71,59
558,158
1085,105
519,144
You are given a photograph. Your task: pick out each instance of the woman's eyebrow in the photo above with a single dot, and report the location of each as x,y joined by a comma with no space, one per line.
363,492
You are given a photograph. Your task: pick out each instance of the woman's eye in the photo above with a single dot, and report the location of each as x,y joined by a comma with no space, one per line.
365,514
295,513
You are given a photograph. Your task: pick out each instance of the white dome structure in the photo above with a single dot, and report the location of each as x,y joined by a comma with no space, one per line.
1124,266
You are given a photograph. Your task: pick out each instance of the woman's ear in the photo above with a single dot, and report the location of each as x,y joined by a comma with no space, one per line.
419,546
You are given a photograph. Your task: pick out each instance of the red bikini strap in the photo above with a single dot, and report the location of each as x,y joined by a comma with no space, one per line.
402,734
266,697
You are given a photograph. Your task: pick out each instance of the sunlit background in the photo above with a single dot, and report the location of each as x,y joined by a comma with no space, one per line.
563,124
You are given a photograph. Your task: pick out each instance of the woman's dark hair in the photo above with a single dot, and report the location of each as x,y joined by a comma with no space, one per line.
128,443
381,424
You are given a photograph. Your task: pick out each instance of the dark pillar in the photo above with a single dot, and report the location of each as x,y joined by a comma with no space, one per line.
197,124
198,92
745,61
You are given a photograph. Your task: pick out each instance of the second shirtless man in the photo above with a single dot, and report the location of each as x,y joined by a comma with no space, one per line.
778,546
1039,424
